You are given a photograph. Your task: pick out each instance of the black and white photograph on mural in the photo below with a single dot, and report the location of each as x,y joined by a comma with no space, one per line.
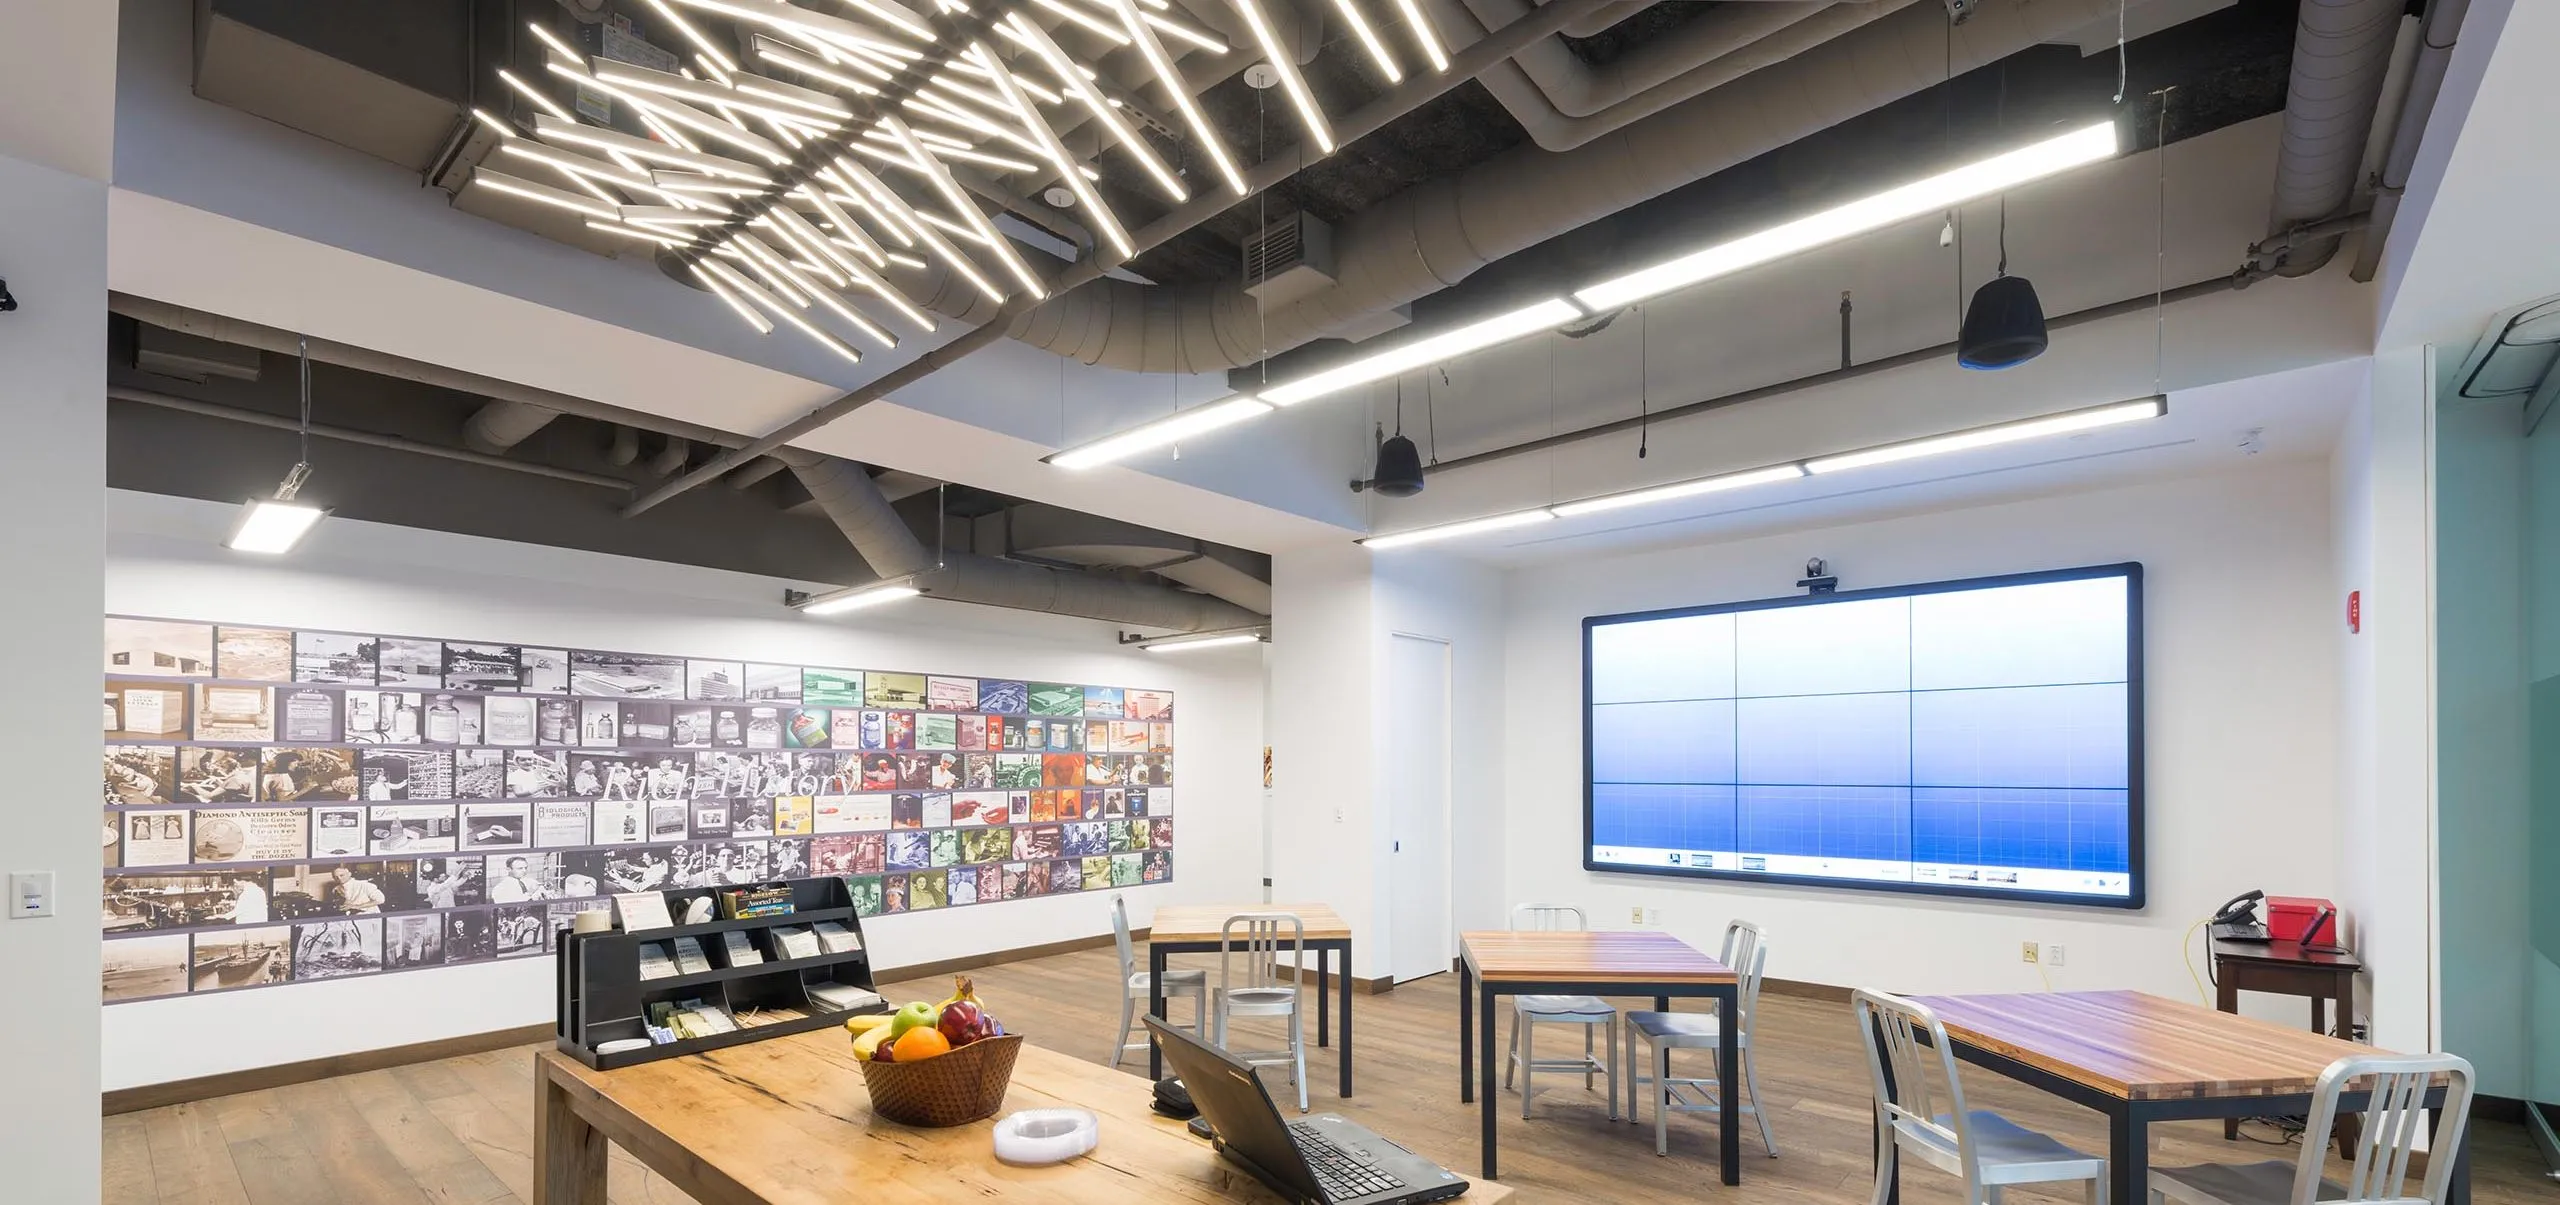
155,838
229,958
646,725
411,828
324,889
416,940
751,816
306,774
339,832
386,717
214,775
483,667
335,657
511,721
523,929
496,825
391,775
308,715
253,654
328,949
689,727
669,820
406,662
773,683
787,858
533,774
451,719
479,774
625,675
559,823
139,968
714,681
638,868
518,877
252,835
452,882
710,818
599,723
159,648
138,774
618,822
545,671
594,775
469,936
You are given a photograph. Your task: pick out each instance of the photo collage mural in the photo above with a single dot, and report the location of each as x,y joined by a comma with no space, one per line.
287,805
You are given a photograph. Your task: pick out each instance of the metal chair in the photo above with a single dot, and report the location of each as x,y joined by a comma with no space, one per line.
1258,992
1136,986
1596,1017
1746,950
2393,1119
1985,1150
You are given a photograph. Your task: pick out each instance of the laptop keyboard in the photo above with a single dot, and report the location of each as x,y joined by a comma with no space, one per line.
1338,1172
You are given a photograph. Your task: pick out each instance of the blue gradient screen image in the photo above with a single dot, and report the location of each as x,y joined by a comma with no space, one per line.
1976,737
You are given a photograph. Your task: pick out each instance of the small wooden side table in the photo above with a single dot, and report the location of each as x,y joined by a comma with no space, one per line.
2284,968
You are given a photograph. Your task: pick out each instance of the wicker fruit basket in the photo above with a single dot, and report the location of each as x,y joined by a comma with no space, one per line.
957,1088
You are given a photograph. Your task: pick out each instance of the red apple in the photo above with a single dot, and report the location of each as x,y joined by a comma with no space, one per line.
961,1023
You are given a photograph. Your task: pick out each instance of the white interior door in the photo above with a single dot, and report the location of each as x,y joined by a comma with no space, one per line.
1417,778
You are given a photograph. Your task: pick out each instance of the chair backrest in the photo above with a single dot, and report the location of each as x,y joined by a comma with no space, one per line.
1120,937
1746,950
1895,1032
1546,917
1263,942
2394,1115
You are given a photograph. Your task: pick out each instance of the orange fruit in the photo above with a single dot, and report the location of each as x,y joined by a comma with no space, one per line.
922,1042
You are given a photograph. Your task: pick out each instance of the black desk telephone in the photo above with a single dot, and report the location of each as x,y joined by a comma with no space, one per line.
2238,920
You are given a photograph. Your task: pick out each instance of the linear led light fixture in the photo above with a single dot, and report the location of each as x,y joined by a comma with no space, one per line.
1181,425
1202,640
838,602
2069,421
2086,419
1501,328
1935,194
271,527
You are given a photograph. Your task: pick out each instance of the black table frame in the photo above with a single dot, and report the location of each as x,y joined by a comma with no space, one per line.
1476,1059
2129,1121
1324,948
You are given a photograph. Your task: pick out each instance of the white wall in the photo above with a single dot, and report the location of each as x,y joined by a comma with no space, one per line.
163,558
1441,598
53,252
2240,675
1327,838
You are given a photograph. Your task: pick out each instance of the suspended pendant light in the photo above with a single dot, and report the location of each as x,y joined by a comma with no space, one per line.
2004,323
1399,469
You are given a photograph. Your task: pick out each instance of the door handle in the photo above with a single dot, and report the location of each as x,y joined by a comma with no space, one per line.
1399,847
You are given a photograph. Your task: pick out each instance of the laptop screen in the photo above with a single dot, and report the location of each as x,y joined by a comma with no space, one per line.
1235,1103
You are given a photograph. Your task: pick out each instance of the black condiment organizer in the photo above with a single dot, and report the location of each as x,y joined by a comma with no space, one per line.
603,998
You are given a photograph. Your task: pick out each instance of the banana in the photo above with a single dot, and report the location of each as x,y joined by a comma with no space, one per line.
962,989
869,1041
867,1022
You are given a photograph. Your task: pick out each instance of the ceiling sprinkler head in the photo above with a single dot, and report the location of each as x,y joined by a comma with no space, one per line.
1261,76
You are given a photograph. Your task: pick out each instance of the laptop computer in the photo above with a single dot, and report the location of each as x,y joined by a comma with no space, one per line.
1321,1160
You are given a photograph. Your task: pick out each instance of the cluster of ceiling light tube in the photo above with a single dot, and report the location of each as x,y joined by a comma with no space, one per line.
725,177
1932,195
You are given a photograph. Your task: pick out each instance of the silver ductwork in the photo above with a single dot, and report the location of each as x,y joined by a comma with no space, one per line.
2341,52
501,424
845,492
1437,233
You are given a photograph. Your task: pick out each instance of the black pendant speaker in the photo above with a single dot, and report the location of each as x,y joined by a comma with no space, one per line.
2003,327
1399,473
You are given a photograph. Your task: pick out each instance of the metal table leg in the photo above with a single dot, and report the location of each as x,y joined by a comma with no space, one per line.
1155,1005
1346,1020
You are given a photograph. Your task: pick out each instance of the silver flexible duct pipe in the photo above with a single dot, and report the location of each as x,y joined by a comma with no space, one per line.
2341,51
845,492
1577,89
2438,30
1437,233
501,424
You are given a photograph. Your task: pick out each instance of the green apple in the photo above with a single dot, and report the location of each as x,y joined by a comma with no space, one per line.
913,1015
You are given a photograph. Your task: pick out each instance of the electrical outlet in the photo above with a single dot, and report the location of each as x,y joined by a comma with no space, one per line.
2053,954
1653,918
2027,951
1635,916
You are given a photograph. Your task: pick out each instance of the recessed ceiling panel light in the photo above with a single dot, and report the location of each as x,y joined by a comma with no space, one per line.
1984,437
1451,531
272,528
1679,489
1501,328
1163,432
1916,199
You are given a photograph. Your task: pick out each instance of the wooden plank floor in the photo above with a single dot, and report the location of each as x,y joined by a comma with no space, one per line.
460,1131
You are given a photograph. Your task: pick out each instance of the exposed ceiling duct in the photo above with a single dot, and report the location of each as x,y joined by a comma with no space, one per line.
2341,51
2438,31
1438,233
845,491
501,425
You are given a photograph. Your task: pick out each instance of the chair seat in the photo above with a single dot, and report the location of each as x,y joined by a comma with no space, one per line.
2009,1152
1589,1009
1174,981
1258,1001
2268,1183
1682,1029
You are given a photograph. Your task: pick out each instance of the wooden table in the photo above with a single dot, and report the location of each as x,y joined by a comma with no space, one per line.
2284,968
788,1120
1200,929
2139,1059
1497,963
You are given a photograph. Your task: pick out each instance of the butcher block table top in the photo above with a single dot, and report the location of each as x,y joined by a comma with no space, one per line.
2142,1047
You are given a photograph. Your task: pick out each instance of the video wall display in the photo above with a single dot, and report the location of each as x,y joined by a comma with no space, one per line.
1979,737
284,805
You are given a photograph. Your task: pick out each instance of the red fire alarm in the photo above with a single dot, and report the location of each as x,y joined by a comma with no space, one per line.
2355,611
